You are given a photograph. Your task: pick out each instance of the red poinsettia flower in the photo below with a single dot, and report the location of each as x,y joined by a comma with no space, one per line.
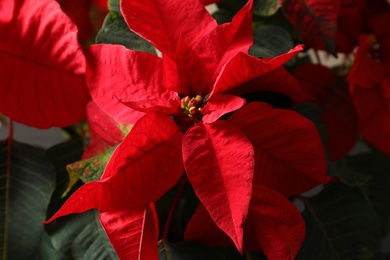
197,81
369,83
350,24
40,43
328,91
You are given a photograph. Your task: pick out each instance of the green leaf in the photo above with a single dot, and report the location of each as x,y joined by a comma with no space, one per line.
87,170
349,177
81,236
61,155
271,41
193,251
223,16
26,185
376,165
116,31
266,7
114,5
231,5
46,249
340,225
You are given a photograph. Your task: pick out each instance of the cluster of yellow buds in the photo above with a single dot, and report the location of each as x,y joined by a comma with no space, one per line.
192,106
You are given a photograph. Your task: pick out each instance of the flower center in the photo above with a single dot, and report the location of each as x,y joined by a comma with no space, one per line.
192,107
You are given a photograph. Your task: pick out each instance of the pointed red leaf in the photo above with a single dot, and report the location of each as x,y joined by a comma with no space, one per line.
278,80
186,74
316,20
332,95
163,22
218,105
104,132
369,89
225,41
202,229
219,162
116,74
242,68
372,108
366,71
276,223
170,107
289,155
42,81
78,12
132,232
138,172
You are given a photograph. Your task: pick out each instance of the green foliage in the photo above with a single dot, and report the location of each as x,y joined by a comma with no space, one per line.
87,170
116,31
377,166
223,16
81,236
27,182
61,155
266,7
340,225
271,41
114,5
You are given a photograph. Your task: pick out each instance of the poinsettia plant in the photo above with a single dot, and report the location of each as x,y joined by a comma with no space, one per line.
196,129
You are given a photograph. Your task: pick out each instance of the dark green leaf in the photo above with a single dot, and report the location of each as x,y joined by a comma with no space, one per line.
347,176
87,170
116,31
271,41
193,251
46,250
223,16
340,225
114,5
377,165
231,5
61,155
81,236
266,7
24,199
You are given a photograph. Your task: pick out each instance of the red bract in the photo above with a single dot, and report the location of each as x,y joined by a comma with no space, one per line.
133,232
137,174
316,21
369,84
274,225
104,132
280,170
197,81
350,24
331,94
88,16
42,82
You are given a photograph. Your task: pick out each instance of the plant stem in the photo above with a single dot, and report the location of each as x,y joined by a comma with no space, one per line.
182,183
